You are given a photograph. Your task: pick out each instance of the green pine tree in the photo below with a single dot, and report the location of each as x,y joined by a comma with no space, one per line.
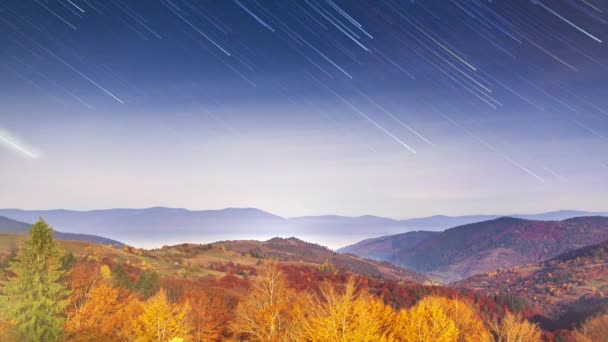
36,295
121,278
147,284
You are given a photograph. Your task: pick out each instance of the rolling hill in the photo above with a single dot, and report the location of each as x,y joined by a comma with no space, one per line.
570,286
227,270
294,250
480,247
223,256
9,226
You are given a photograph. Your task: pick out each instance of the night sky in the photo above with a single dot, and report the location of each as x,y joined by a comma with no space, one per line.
393,108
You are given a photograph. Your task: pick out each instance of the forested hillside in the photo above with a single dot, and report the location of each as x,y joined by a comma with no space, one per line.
463,251
567,288
279,290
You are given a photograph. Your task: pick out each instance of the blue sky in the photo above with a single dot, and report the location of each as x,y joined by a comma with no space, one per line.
392,108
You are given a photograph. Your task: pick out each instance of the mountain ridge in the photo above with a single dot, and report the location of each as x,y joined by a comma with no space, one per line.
156,226
10,226
480,247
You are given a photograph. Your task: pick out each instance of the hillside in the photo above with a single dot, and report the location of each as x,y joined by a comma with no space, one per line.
480,247
569,287
297,251
288,251
232,256
215,278
387,247
9,226
245,252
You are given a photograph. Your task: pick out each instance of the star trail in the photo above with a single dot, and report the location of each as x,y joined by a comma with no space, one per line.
496,89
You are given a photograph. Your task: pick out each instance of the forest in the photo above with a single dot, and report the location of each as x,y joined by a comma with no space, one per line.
49,294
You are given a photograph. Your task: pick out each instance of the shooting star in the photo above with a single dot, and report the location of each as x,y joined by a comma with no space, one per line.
554,173
9,142
492,148
567,21
254,16
365,116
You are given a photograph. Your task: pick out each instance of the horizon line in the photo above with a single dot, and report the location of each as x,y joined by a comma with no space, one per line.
313,216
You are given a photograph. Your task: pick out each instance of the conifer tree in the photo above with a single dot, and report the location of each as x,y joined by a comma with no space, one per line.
36,295
120,277
147,283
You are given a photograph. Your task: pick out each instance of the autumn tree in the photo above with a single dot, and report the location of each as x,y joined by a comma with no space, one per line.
346,315
161,320
208,314
36,295
594,329
426,321
81,280
265,314
105,273
465,317
106,316
514,328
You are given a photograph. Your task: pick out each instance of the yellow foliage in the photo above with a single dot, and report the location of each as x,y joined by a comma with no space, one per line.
347,315
265,314
426,321
161,320
105,272
594,329
513,328
466,318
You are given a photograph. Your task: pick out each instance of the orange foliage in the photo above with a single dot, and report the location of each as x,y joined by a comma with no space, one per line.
209,315
81,280
283,303
264,315
106,315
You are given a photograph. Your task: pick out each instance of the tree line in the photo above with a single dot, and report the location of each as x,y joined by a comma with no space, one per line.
53,296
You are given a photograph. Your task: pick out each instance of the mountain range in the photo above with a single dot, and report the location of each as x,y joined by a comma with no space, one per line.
10,226
154,227
480,247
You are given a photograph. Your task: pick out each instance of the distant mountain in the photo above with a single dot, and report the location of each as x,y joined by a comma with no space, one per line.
154,227
559,215
484,246
570,286
386,248
9,226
